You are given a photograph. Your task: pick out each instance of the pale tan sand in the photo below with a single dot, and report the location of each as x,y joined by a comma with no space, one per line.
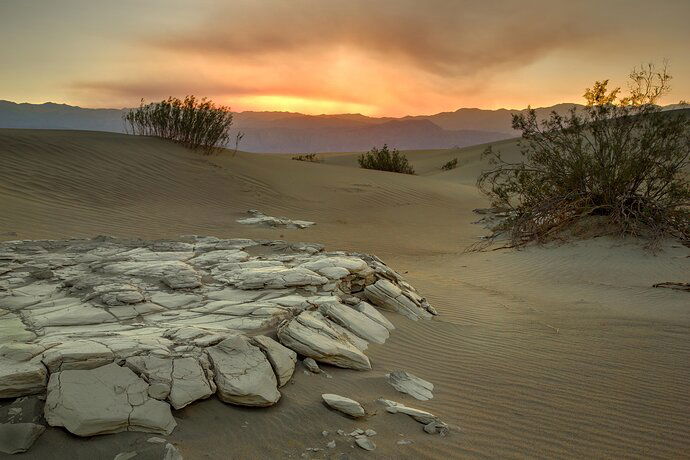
547,352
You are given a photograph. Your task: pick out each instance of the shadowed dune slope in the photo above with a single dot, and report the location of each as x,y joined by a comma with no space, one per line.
548,352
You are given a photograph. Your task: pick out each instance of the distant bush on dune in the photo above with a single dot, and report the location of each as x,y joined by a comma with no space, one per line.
617,167
452,164
385,160
195,123
310,157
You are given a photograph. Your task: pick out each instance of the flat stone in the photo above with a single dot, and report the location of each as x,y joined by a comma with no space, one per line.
345,405
412,385
281,358
243,374
108,399
19,437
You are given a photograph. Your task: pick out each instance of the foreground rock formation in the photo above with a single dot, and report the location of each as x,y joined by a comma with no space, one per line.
119,332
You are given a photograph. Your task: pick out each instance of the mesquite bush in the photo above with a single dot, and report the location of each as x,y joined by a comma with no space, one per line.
385,160
620,164
195,123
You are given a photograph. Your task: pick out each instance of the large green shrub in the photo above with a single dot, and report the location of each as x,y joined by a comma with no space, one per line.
619,165
197,124
385,160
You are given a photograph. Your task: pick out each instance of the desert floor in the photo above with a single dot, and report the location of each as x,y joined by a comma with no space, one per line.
549,352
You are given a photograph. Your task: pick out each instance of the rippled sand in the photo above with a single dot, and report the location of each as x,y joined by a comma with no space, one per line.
547,352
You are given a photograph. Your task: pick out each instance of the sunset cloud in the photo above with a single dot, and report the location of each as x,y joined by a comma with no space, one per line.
386,57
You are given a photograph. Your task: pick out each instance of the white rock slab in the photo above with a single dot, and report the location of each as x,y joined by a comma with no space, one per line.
359,323
388,296
311,334
107,399
243,374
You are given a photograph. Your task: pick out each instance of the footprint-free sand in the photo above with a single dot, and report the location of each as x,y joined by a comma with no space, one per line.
550,352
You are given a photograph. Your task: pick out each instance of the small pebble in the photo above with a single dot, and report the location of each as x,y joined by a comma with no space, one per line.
365,443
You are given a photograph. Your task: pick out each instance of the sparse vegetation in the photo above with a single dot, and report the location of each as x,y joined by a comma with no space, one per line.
310,157
452,164
384,159
618,166
198,124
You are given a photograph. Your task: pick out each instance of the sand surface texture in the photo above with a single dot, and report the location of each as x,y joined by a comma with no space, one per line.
564,351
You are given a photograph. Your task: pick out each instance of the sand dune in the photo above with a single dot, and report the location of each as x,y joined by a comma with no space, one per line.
547,352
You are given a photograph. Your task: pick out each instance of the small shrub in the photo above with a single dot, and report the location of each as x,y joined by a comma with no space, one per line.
452,164
197,124
620,162
385,160
310,157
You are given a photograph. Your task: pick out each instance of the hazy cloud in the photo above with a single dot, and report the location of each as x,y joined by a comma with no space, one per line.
388,56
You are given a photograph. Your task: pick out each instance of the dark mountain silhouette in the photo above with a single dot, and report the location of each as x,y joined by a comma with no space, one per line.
286,132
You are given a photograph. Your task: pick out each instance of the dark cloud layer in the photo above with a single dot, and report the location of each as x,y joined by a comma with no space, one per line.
448,37
388,52
444,37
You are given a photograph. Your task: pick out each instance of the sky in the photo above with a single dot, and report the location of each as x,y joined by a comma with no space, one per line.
375,57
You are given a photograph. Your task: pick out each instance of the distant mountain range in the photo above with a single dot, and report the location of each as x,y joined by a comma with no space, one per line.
286,132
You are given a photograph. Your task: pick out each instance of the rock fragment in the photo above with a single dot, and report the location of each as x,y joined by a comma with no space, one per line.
345,405
405,382
364,442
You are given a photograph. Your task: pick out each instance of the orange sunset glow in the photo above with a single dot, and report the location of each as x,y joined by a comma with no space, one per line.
388,58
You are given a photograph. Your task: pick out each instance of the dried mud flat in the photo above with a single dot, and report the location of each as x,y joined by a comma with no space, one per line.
115,333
